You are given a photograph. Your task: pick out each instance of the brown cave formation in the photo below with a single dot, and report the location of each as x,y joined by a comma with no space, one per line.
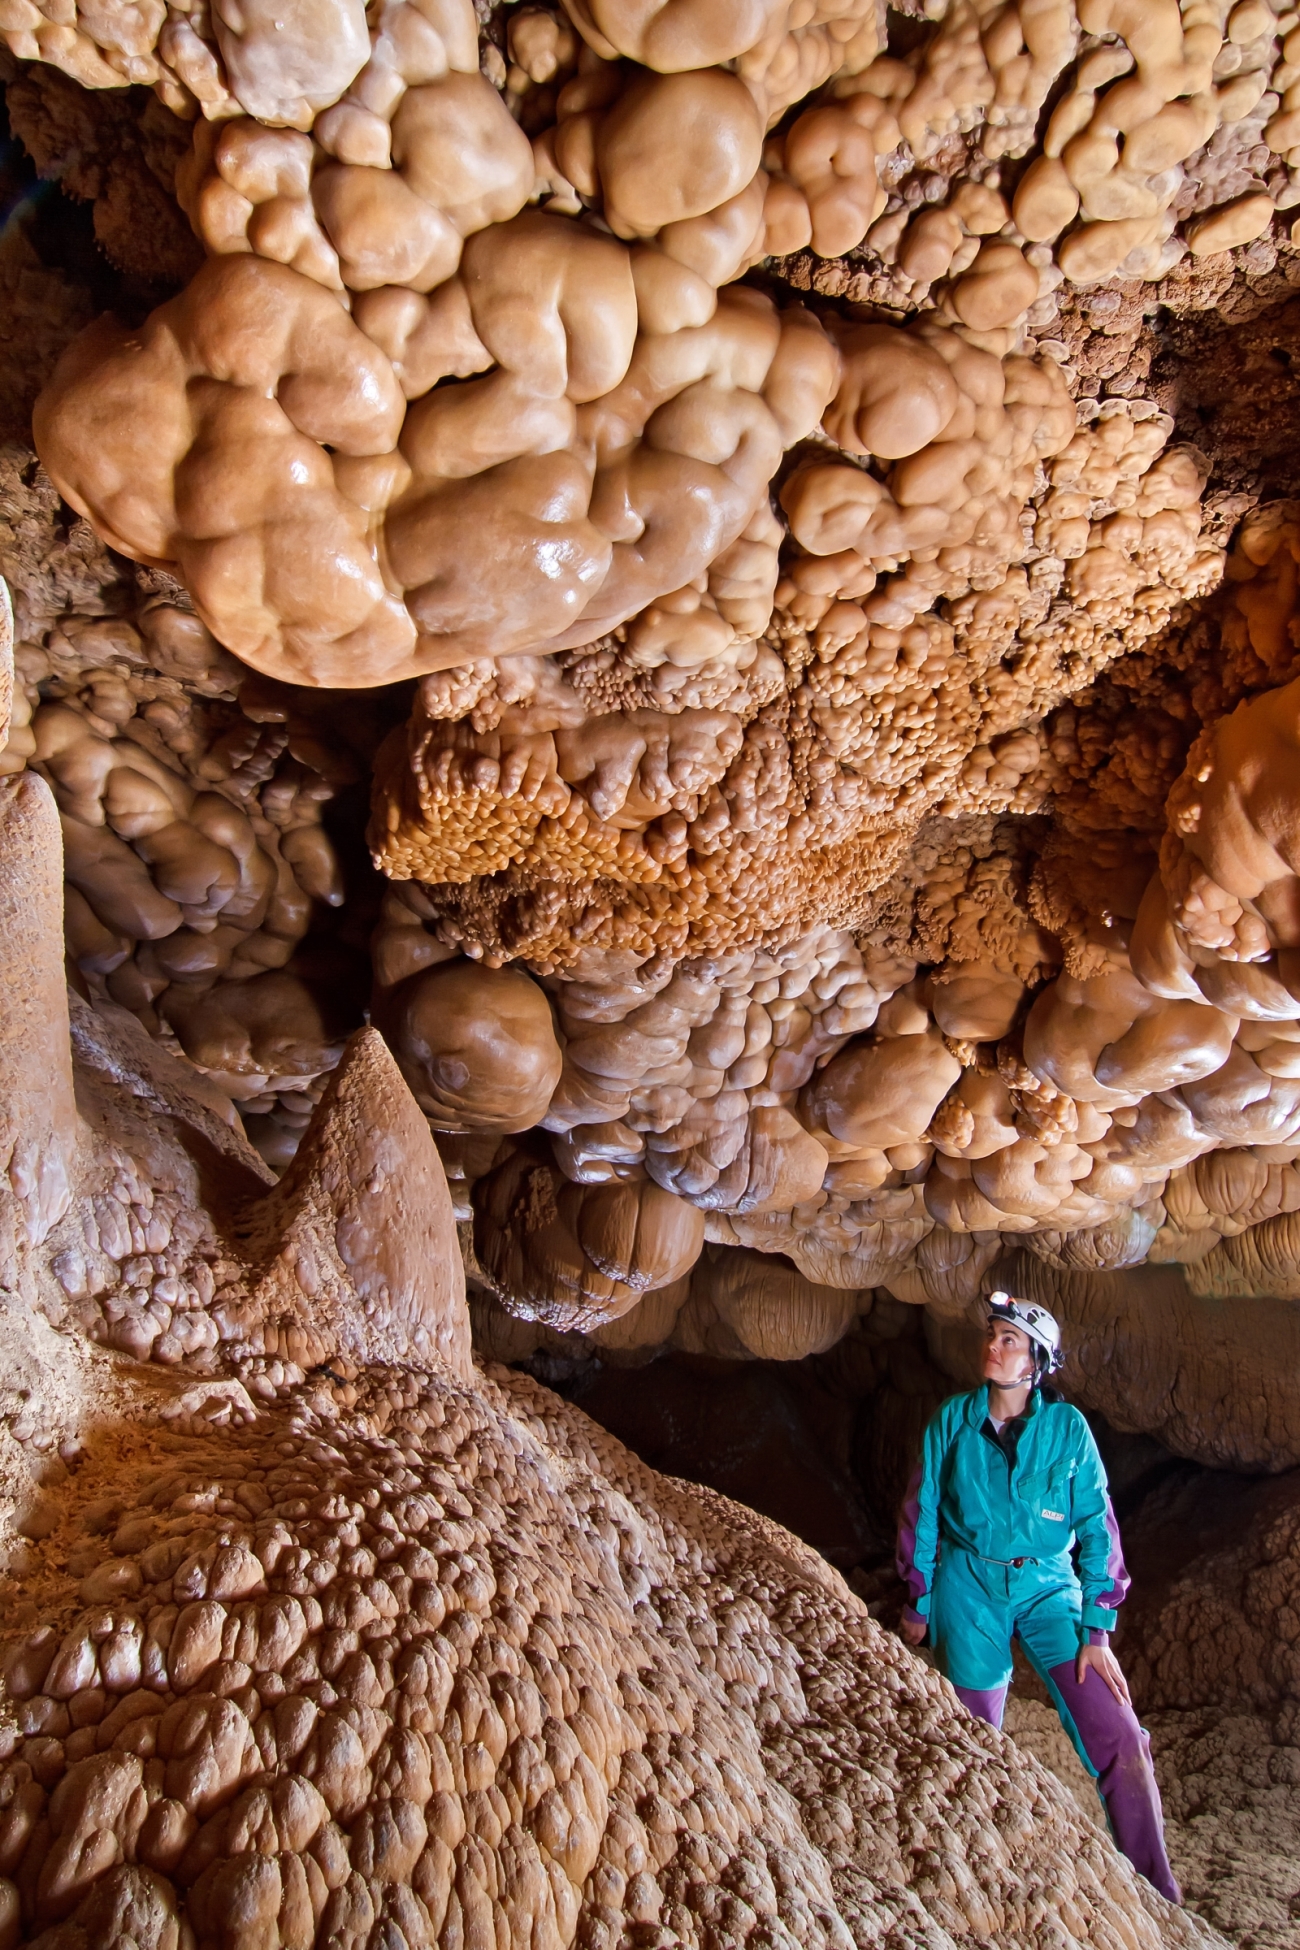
649,738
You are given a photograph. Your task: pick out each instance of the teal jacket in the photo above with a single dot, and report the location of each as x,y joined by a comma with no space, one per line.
966,1495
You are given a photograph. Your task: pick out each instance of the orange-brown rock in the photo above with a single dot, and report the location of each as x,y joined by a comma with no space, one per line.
395,1646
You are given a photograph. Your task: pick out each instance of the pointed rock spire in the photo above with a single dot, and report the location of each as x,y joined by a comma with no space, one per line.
363,1215
38,1115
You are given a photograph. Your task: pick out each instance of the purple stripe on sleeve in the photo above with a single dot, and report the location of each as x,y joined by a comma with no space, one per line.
909,1517
1116,1569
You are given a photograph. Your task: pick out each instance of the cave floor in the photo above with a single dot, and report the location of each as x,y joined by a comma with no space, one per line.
1232,1811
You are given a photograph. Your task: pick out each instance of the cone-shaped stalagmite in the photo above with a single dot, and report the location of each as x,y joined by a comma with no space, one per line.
38,1119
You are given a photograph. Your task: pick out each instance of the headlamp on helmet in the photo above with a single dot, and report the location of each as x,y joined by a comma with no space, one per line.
1041,1327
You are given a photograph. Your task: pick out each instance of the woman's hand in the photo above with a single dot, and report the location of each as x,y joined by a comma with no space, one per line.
1100,1659
914,1630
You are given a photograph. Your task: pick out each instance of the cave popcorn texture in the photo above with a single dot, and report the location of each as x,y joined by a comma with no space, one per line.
755,876
398,1649
707,484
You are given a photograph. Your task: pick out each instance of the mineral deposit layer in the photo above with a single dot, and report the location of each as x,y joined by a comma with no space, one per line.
771,526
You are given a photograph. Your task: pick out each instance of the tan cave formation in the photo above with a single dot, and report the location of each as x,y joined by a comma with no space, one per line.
319,1632
649,739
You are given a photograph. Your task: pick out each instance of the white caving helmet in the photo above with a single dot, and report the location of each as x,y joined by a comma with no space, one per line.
1035,1321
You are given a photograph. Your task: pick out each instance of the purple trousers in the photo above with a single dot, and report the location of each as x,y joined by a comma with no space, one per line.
1116,1751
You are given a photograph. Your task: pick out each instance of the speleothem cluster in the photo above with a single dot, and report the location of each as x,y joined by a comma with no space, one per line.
319,1634
659,647
744,428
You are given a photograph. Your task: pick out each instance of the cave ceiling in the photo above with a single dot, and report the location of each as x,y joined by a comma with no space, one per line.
726,575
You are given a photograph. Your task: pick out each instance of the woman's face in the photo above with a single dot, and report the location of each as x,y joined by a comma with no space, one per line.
1008,1355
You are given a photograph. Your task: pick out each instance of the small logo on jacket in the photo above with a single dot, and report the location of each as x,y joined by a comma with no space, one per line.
1057,1516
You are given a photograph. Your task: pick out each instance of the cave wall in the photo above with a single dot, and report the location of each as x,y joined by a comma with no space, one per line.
317,1630
655,694
810,620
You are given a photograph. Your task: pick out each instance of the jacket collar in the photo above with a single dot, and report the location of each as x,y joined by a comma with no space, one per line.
977,1411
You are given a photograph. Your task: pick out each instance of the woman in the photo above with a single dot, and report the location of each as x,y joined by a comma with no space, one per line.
1009,1486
